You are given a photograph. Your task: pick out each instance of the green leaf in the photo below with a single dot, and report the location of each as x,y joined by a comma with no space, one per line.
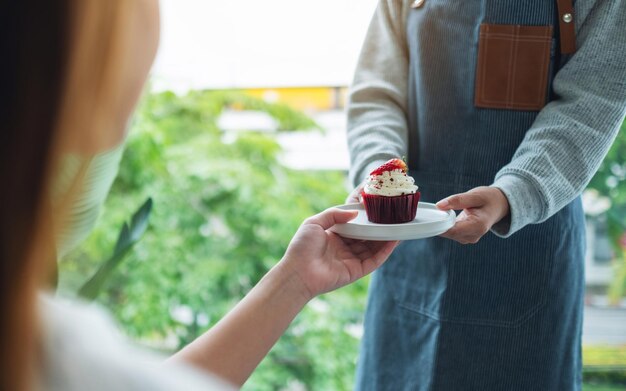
128,237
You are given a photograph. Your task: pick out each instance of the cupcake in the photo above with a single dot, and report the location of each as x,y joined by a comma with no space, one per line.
390,195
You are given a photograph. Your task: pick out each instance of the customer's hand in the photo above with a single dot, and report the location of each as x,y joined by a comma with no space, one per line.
482,208
324,261
316,261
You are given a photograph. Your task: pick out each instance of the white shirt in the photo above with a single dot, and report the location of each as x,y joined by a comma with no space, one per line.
83,350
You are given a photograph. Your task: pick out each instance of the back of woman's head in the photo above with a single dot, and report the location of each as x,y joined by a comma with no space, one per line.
68,82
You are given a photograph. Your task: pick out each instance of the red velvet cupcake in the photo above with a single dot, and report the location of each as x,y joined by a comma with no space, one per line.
390,195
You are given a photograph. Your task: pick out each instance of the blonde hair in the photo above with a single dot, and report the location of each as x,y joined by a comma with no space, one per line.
93,86
66,84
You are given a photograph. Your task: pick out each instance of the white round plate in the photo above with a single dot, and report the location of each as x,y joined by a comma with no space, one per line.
429,221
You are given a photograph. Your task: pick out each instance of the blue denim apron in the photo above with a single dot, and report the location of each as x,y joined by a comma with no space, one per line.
504,314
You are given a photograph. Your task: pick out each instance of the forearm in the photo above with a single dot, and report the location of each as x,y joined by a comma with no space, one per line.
316,261
234,347
568,141
377,118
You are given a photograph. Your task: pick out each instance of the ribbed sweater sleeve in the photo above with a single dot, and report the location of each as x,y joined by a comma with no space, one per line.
377,119
572,134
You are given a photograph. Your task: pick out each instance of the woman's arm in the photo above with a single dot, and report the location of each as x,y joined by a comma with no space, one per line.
569,139
571,136
234,347
317,261
377,108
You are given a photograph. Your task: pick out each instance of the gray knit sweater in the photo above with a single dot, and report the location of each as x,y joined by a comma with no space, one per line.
560,152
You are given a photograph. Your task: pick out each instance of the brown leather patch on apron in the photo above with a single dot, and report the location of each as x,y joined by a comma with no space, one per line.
513,66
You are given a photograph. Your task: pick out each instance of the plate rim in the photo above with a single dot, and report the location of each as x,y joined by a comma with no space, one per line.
437,226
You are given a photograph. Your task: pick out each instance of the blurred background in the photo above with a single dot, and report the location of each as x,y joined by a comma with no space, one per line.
240,136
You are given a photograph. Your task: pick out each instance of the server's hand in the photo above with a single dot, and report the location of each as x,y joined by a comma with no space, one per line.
481,208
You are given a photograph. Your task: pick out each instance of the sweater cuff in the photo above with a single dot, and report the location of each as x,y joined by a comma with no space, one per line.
525,204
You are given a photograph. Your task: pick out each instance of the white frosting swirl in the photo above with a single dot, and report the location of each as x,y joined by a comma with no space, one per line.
390,184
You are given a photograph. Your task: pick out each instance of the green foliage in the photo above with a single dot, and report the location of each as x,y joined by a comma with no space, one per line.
600,387
610,181
287,118
129,235
605,376
607,365
604,365
604,355
225,210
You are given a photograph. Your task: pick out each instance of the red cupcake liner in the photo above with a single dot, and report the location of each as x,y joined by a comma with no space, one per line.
391,210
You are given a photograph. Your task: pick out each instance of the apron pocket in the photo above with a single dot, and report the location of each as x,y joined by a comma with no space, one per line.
513,67
498,283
